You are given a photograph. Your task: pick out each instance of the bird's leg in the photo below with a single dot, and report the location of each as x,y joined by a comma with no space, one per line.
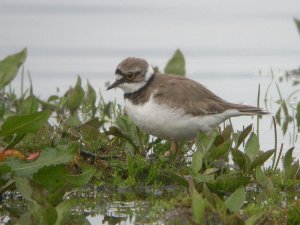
173,150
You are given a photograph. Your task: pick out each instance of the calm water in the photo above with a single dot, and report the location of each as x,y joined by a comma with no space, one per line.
230,46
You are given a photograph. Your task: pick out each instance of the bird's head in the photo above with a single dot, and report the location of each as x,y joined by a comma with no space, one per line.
132,74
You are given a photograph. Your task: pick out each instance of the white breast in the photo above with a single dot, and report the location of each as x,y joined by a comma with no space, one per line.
170,123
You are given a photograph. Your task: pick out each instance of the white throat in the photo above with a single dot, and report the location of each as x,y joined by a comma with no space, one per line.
134,86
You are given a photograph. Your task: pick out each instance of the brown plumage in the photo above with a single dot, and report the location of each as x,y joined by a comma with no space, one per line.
190,95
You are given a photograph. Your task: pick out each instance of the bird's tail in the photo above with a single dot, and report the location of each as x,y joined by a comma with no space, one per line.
250,110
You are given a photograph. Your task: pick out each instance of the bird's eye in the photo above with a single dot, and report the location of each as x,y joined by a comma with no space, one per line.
130,76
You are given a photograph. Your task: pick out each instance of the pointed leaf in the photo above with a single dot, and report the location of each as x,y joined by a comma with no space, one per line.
261,159
176,65
288,158
10,66
197,161
24,124
291,172
243,135
198,207
297,22
252,146
236,200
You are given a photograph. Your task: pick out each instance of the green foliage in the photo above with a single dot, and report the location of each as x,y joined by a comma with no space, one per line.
24,124
176,65
84,141
10,66
61,154
236,200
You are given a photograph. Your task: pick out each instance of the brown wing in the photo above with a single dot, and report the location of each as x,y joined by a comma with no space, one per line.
193,97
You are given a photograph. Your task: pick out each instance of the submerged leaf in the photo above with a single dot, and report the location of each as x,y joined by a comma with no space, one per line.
176,65
10,66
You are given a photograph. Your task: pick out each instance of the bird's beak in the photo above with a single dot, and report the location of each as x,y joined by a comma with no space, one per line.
114,85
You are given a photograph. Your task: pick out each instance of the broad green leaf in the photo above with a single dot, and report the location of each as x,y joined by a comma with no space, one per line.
61,154
198,207
51,177
241,159
10,66
236,200
24,187
219,152
264,181
288,158
197,161
252,146
176,65
261,159
24,124
291,172
242,136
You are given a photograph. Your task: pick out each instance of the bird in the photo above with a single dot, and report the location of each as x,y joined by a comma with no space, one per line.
172,107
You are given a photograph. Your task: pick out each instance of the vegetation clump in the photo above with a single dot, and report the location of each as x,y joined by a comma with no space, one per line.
54,149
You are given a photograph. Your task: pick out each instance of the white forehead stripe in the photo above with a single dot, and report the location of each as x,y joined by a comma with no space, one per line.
118,77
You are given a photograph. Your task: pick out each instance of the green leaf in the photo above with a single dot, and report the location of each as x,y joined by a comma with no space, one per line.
252,146
261,159
278,116
64,210
29,105
10,66
51,177
241,159
198,207
298,115
219,152
176,65
291,172
228,183
197,161
288,158
242,136
236,200
24,124
61,154
79,180
74,96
